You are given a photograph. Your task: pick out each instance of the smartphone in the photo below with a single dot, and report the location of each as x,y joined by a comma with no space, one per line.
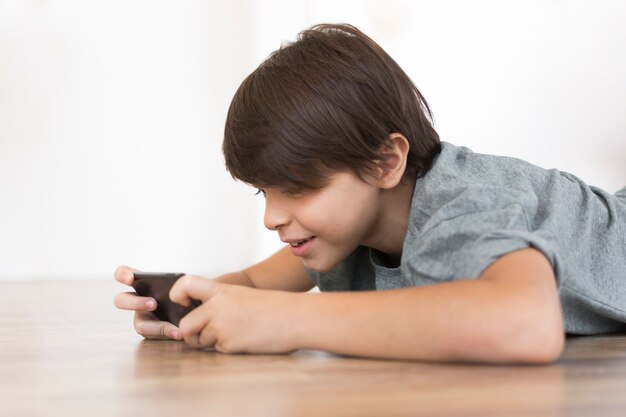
158,285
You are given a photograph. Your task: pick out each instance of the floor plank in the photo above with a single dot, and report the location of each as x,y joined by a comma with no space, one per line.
66,350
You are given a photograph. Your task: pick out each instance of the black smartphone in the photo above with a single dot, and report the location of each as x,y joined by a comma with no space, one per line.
158,285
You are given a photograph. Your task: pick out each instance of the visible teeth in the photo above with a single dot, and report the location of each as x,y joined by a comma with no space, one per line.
300,243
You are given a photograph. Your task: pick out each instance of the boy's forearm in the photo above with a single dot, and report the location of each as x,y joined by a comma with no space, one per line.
235,278
469,320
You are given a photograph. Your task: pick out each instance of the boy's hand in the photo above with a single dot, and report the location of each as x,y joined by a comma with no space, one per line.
146,322
234,318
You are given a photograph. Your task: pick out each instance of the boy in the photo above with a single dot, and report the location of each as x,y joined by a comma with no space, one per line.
422,249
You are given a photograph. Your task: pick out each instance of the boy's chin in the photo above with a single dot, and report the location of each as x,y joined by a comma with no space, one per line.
317,266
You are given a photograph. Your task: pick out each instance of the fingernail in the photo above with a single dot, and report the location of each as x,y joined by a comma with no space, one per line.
128,276
175,334
150,304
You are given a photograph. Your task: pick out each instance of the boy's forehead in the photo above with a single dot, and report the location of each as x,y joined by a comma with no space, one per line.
322,181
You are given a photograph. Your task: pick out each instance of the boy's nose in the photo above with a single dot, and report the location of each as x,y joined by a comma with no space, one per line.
275,216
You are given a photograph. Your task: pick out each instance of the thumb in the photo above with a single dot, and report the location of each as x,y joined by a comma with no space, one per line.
190,287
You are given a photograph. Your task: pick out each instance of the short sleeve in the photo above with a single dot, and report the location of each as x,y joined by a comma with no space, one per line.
464,245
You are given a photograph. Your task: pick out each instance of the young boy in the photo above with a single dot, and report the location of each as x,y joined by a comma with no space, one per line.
421,249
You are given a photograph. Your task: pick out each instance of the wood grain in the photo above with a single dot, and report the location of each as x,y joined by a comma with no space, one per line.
65,350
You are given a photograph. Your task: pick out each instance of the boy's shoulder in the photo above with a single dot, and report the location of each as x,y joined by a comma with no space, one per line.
463,182
462,163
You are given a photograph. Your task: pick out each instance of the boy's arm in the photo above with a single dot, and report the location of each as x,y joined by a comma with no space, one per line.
281,271
510,314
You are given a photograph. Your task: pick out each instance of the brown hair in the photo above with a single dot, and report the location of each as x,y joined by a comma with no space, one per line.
322,104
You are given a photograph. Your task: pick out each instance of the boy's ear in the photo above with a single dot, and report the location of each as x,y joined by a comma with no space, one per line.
391,169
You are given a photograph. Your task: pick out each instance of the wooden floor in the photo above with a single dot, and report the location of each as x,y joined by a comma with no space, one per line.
65,350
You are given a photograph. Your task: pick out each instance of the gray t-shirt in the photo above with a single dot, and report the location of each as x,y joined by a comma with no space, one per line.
471,208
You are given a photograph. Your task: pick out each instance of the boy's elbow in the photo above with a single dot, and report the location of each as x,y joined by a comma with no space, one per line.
541,341
544,349
530,325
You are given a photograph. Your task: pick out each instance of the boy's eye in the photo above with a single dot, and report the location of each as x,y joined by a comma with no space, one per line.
293,192
288,192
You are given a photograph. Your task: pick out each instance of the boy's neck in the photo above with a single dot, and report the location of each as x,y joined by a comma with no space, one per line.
390,229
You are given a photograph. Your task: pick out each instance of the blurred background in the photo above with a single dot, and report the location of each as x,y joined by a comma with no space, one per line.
112,114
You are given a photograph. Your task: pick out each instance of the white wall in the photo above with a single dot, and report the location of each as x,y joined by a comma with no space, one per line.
111,114
111,125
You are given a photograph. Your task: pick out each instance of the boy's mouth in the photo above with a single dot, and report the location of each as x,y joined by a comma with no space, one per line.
300,242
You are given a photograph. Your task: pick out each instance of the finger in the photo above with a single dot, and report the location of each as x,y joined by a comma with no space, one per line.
206,338
192,325
131,301
190,287
147,325
124,274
